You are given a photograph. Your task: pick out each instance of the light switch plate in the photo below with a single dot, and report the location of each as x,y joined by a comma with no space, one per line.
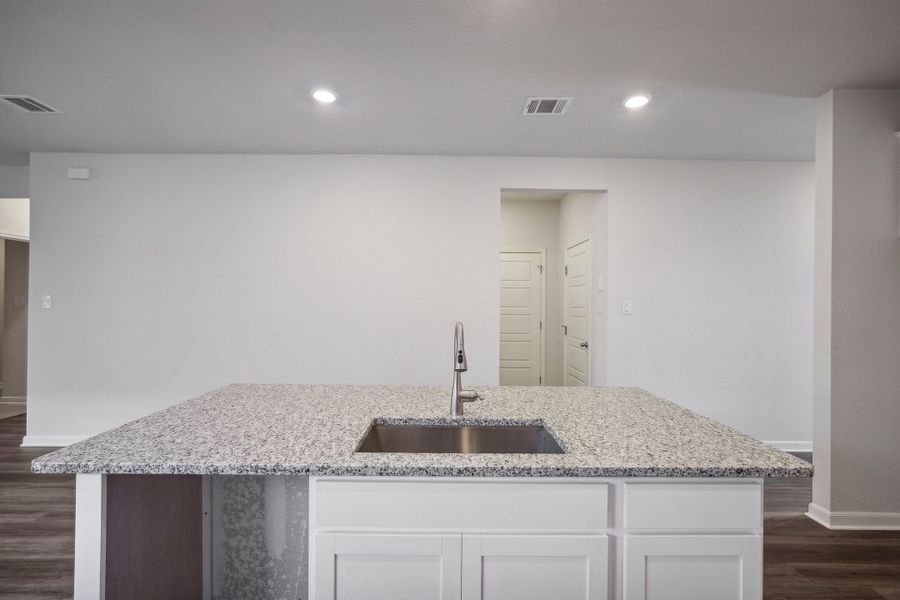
46,302
626,307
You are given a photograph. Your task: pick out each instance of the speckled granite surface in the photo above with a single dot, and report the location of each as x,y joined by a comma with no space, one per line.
314,430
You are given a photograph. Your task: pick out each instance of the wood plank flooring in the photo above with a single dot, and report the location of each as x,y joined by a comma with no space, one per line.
803,561
37,522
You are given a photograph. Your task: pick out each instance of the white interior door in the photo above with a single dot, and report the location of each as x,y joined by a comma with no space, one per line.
577,323
521,314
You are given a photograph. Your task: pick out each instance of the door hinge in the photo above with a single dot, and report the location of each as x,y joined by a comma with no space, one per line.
542,325
541,268
540,380
566,270
565,330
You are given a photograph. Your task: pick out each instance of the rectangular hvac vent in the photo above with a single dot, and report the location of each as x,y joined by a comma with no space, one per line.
546,106
30,105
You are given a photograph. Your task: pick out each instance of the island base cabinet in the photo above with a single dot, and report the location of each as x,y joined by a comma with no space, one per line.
693,567
535,567
535,539
386,567
351,566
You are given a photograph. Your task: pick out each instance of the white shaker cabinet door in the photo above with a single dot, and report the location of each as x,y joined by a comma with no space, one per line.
386,567
535,567
693,567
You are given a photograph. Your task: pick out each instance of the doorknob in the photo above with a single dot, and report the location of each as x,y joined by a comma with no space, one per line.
583,344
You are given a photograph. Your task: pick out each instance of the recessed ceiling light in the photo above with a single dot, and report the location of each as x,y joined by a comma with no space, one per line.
636,101
324,95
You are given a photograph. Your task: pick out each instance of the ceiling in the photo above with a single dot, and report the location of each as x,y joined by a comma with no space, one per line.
730,79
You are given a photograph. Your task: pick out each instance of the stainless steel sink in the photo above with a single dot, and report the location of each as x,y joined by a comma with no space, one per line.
461,439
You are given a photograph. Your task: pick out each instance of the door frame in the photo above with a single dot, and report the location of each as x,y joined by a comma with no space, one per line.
543,254
590,309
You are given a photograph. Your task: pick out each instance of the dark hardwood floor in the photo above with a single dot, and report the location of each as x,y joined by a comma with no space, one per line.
37,522
802,559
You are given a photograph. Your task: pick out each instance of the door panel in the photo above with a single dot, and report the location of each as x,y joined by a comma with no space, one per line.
577,314
521,291
387,567
685,567
535,567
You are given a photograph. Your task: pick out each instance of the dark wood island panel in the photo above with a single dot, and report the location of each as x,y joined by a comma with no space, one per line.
154,537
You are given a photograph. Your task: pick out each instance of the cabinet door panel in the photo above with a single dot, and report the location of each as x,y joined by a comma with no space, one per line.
684,567
535,567
386,567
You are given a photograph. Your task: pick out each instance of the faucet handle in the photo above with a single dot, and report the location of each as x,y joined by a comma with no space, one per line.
469,395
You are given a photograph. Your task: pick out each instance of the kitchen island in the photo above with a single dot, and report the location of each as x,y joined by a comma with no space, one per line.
259,491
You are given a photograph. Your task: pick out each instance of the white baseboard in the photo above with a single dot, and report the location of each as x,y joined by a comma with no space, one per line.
854,520
792,446
50,441
18,400
819,515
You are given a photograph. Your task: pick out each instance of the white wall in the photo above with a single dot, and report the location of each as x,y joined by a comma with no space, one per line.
858,308
13,181
174,274
529,223
718,264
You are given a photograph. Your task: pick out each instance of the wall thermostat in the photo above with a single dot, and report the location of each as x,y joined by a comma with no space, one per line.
80,173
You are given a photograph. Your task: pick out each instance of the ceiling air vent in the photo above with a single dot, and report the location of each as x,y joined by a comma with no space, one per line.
546,106
31,105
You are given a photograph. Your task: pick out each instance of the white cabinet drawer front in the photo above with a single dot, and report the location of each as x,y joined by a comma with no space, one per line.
460,505
693,506
386,567
675,567
535,567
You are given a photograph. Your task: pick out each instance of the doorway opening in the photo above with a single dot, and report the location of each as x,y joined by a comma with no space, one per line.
552,278
14,250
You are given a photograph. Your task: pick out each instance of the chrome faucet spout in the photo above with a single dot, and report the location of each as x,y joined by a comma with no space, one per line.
459,349
458,395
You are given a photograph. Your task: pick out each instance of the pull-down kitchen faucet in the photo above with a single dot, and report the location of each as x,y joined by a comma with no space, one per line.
457,394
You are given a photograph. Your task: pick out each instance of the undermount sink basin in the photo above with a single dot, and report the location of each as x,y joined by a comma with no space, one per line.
460,439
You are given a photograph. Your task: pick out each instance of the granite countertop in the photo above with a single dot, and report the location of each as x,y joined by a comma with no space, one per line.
315,429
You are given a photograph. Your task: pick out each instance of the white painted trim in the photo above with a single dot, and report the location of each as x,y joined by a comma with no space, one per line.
791,446
818,514
18,400
876,521
10,235
90,536
543,253
51,441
